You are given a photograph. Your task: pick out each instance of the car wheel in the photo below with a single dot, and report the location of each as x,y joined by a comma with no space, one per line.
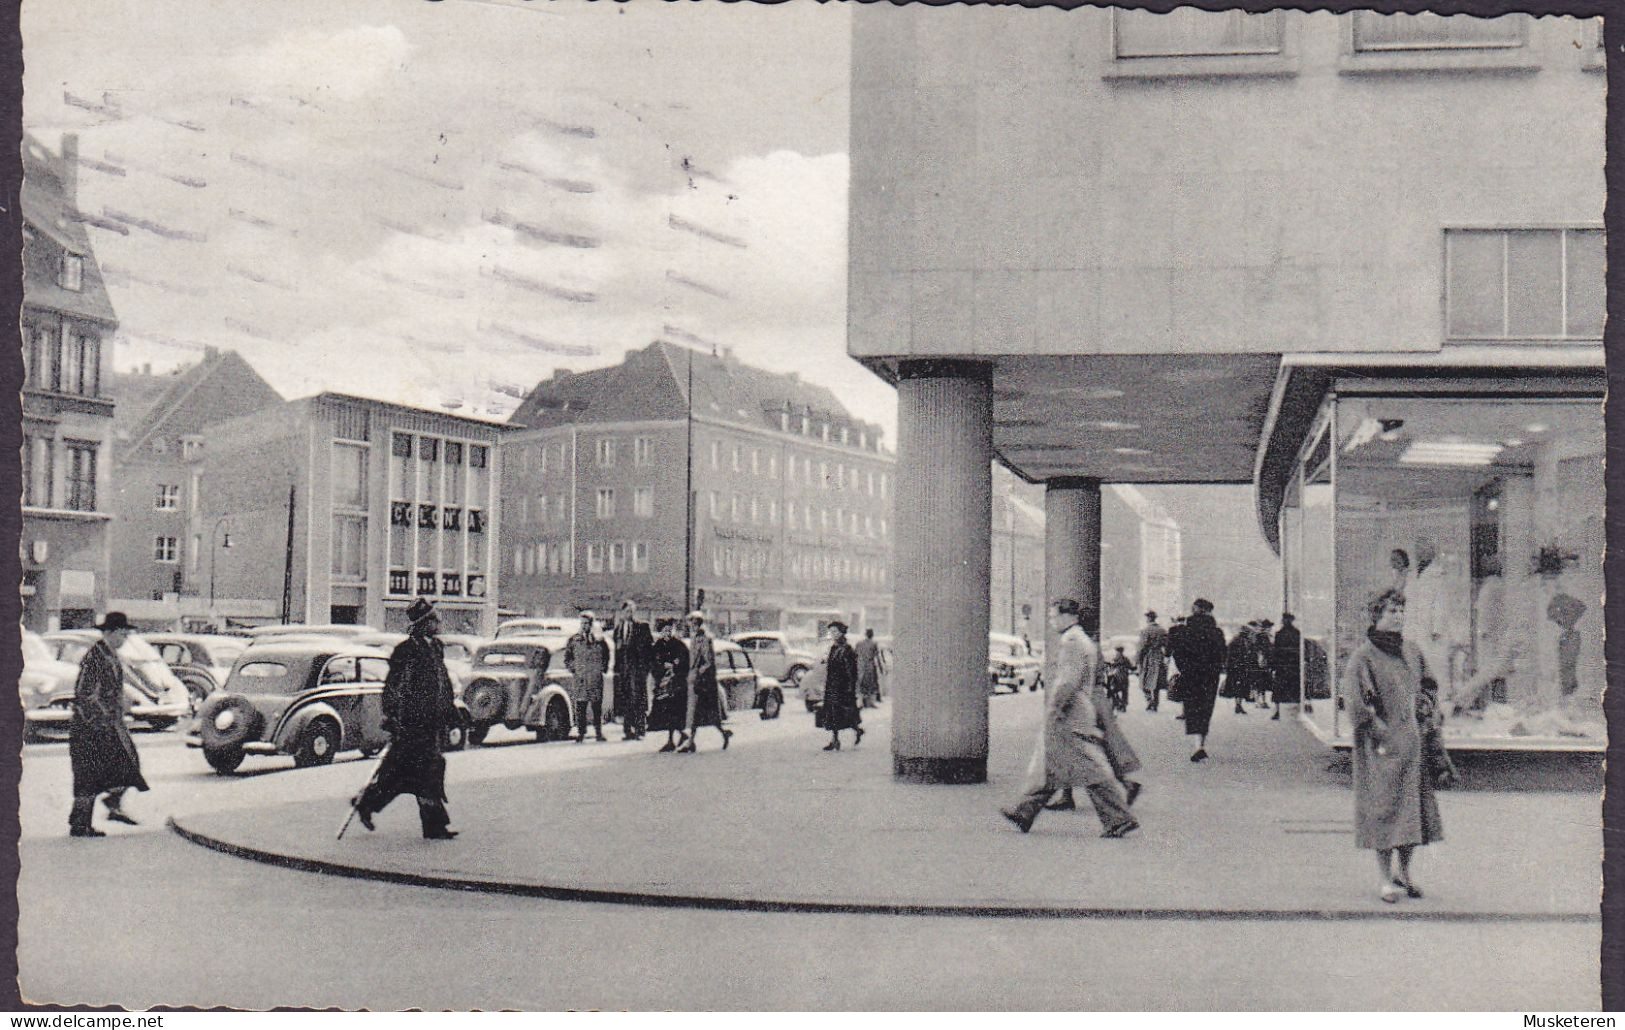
224,760
771,704
557,723
477,732
457,735
370,752
317,745
486,701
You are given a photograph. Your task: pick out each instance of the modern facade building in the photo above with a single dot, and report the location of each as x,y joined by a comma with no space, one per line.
158,574
1142,561
342,509
1352,260
67,413
790,496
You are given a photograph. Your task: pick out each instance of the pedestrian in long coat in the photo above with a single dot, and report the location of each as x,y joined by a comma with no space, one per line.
587,657
704,696
634,646
1394,806
1074,742
1119,752
1152,654
669,658
1199,651
1240,666
419,709
840,708
1285,654
869,661
100,751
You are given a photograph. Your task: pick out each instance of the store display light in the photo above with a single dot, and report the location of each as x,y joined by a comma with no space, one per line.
1449,452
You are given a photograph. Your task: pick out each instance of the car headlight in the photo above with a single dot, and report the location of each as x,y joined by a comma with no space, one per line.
225,720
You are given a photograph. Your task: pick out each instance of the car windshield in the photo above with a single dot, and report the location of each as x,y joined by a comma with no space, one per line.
136,649
224,652
71,650
263,678
456,653
34,649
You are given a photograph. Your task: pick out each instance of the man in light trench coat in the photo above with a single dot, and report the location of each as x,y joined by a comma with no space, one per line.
1074,740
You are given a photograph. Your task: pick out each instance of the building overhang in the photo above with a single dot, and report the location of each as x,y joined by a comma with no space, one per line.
1126,418
1304,381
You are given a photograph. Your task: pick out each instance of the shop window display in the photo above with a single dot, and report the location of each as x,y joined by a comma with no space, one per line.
1489,516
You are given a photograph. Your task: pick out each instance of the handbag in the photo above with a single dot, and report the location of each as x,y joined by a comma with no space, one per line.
1175,690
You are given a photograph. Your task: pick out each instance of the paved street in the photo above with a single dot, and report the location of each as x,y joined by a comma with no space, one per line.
200,927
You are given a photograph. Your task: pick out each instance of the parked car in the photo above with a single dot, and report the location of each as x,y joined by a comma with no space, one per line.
1012,665
343,631
459,649
201,661
311,700
554,631
504,689
774,655
742,685
46,687
157,696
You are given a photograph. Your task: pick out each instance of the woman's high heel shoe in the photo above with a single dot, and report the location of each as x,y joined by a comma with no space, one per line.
727,735
857,737
834,745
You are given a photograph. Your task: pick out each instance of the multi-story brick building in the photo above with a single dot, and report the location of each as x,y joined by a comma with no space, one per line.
791,496
381,502
67,432
159,575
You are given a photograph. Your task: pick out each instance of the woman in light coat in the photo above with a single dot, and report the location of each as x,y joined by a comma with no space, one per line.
1394,806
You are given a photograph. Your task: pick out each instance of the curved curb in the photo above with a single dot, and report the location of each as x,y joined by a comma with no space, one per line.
952,909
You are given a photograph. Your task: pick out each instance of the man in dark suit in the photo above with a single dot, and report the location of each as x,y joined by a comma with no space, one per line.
100,751
418,710
634,649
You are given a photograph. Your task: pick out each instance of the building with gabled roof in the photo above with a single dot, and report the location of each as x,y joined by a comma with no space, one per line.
67,414
159,544
790,520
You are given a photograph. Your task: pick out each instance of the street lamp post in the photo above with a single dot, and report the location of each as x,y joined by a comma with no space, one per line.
212,549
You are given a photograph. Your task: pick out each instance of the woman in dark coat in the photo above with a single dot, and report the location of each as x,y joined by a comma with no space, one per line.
840,708
1240,661
669,711
1284,654
100,751
1199,653
1394,807
704,697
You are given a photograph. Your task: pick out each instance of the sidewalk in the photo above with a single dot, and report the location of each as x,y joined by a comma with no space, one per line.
1262,830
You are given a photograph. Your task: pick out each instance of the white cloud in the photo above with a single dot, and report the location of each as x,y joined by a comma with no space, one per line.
318,64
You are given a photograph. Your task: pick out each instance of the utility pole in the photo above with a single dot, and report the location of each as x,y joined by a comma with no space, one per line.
287,563
688,494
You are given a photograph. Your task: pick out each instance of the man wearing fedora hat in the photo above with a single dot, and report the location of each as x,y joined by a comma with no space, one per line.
100,750
418,710
1152,654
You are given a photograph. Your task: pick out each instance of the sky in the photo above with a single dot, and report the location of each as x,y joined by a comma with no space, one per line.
441,203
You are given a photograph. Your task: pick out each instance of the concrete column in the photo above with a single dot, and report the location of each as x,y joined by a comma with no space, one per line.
944,510
1072,549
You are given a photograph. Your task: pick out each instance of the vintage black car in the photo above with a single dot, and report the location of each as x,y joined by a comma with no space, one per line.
508,687
309,698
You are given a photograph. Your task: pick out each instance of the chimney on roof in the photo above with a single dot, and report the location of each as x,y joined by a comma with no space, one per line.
146,368
70,169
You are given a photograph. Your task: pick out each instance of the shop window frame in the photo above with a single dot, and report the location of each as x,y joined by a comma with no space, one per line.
1128,68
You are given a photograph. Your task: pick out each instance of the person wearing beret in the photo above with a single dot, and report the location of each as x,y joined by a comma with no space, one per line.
419,708
100,751
840,708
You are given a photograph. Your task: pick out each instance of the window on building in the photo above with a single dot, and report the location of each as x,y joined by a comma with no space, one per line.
169,497
716,561
617,557
772,466
845,435
1524,284
595,557
640,556
349,547
715,502
736,451
784,421
524,509
883,528
823,431
755,510
165,549
807,471
885,485
542,451
773,513
478,456
755,461
840,520
823,518
73,272
806,517
1427,31
733,507
558,508
716,454
643,502
191,447
81,476
606,503
606,452
349,475
642,450
1188,32
840,477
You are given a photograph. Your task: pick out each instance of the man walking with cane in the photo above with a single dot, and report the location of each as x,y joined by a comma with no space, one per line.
418,710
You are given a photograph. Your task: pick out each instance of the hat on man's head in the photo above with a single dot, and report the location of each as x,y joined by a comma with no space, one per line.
1202,604
114,621
1267,623
1151,613
696,615
1288,617
420,609
1067,606
588,614
664,621
838,624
